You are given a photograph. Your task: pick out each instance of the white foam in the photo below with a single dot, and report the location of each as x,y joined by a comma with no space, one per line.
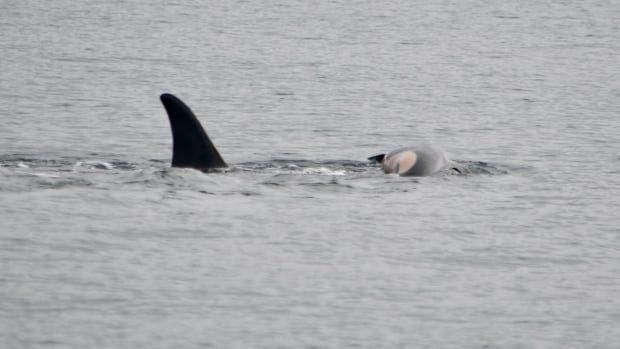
324,171
95,164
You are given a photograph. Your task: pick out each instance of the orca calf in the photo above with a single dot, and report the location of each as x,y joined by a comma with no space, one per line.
413,161
191,147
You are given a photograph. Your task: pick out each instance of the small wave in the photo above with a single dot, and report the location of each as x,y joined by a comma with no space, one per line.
305,167
26,161
93,164
480,168
40,175
319,171
63,163
324,171
58,183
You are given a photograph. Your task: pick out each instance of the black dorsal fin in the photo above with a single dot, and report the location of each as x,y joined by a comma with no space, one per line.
378,158
191,146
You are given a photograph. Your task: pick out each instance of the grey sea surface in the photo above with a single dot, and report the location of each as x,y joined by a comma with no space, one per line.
302,243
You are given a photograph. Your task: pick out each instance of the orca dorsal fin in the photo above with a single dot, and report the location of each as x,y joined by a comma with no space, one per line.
378,158
191,147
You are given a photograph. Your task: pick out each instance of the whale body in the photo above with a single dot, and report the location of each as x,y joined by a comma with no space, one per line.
413,161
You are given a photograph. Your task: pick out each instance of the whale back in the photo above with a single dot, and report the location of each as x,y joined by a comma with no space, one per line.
191,147
418,161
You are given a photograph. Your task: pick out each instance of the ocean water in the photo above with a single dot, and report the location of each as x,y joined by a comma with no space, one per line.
302,243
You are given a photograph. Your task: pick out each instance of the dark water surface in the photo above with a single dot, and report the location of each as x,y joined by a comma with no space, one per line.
302,242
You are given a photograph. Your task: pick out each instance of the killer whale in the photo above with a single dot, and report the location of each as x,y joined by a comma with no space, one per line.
192,148
414,161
